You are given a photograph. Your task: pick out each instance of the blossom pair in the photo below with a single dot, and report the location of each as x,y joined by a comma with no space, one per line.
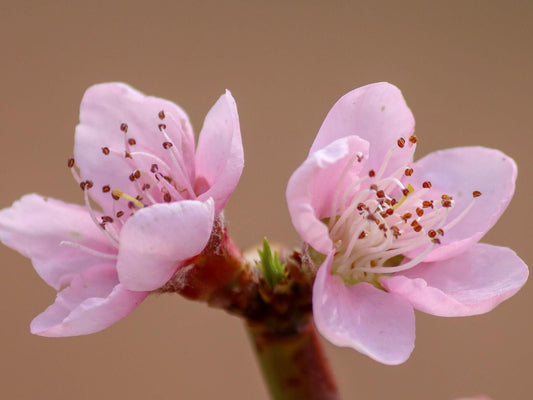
387,235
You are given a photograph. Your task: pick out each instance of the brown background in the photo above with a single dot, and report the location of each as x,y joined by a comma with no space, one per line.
465,69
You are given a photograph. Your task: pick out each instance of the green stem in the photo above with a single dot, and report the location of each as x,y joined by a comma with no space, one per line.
293,363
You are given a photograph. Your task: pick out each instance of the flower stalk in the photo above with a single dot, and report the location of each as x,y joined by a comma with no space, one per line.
292,361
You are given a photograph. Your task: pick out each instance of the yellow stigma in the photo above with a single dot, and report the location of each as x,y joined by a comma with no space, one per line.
402,199
120,193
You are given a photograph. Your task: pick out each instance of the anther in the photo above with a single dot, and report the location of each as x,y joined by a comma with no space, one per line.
380,194
371,173
446,203
413,139
132,178
167,197
374,187
106,188
432,233
89,184
106,218
132,142
362,235
161,114
127,155
409,171
82,185
162,127
137,174
154,168
435,240
119,214
115,196
167,145
427,204
146,186
401,142
426,185
406,216
440,231
71,162
417,228
124,127
405,192
419,212
105,150
476,193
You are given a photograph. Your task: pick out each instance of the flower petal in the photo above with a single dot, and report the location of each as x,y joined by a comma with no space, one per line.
472,283
93,301
35,226
104,108
219,157
311,188
156,241
376,113
458,172
371,321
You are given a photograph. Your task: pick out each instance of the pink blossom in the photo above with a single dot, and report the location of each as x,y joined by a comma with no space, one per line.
396,235
157,201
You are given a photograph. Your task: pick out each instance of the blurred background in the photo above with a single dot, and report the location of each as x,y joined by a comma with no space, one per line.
465,69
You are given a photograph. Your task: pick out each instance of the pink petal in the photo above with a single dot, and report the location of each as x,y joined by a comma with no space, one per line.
35,226
311,188
472,283
371,321
219,157
156,241
104,108
93,301
458,172
376,113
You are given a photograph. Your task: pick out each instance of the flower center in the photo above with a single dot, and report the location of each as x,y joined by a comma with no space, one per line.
154,179
377,219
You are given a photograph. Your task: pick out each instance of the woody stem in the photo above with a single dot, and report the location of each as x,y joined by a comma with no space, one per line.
293,362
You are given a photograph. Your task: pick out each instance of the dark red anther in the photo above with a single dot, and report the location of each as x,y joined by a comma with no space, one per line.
106,218
146,186
436,240
132,142
426,185
105,150
427,204
106,188
440,232
406,216
362,235
71,162
361,206
390,211
401,142
115,197
371,173
432,233
89,184
419,211
162,127
119,214
476,193
167,197
132,177
137,174
417,228
413,139
124,127
131,205
82,185
154,168
405,192
374,187
127,155
446,203
167,145
161,114
393,202
409,171
380,194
